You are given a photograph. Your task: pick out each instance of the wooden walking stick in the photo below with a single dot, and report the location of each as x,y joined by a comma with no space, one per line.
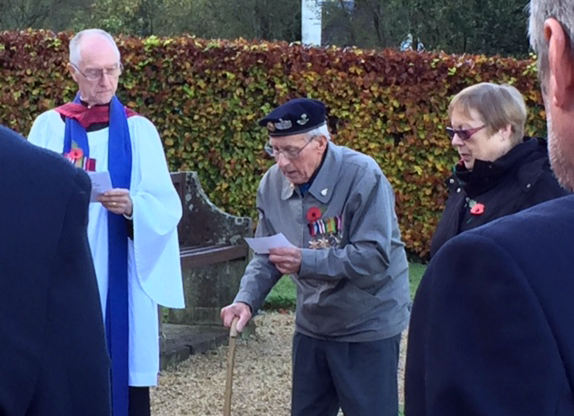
230,362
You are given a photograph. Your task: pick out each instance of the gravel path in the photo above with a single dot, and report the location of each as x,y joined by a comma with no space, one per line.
261,382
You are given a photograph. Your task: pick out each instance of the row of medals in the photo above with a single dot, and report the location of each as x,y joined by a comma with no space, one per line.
325,241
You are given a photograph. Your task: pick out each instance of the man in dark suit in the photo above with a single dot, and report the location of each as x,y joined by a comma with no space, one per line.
53,358
492,327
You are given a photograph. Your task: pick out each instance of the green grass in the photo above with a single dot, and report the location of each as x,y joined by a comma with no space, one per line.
283,295
416,271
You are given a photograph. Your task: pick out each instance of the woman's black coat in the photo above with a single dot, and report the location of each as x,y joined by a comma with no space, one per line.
518,180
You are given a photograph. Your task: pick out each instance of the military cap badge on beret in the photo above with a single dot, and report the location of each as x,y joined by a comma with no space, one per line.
296,116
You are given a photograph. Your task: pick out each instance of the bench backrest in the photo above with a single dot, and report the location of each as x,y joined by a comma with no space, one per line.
204,224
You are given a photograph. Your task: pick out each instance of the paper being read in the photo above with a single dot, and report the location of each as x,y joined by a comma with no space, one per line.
261,245
101,182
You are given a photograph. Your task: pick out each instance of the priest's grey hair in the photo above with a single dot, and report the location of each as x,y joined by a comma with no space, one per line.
76,42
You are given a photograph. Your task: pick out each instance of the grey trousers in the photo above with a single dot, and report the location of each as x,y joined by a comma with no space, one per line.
358,377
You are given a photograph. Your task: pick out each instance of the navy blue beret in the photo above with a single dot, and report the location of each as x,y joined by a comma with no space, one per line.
296,116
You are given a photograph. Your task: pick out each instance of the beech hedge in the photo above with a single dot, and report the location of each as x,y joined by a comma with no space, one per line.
205,97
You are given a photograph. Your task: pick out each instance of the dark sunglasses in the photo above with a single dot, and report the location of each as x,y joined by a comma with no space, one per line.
463,134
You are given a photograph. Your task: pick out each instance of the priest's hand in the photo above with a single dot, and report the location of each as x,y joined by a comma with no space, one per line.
286,259
118,201
238,309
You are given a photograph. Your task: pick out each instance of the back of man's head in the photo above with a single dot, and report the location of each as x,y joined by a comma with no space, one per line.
552,37
540,10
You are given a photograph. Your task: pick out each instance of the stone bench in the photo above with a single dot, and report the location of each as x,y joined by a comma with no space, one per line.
213,258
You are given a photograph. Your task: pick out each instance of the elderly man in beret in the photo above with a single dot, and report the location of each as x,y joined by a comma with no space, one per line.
349,264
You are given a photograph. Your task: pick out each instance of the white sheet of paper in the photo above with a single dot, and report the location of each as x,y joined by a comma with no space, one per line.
101,182
261,245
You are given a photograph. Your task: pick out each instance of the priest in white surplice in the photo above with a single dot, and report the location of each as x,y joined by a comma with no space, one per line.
132,228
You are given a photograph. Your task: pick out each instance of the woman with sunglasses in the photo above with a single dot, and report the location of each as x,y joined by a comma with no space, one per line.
500,171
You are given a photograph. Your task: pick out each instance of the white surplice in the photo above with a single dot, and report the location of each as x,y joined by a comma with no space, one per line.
154,272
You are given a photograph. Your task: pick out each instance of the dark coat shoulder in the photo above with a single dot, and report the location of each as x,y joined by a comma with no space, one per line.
54,359
491,330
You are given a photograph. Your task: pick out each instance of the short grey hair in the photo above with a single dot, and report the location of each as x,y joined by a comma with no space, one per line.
497,105
76,43
540,10
319,131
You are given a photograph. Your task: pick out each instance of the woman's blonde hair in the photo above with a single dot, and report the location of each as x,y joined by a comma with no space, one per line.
497,105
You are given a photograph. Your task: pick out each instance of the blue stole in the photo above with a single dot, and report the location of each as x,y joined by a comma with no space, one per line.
116,320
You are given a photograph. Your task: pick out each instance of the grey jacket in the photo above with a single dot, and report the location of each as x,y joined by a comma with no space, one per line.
353,284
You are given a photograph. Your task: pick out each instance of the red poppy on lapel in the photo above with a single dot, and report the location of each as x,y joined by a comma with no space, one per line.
313,214
76,154
477,209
